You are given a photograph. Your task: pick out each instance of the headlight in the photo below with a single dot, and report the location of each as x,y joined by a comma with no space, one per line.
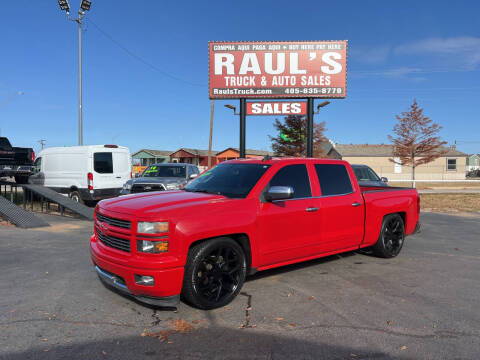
144,227
152,247
172,186
127,186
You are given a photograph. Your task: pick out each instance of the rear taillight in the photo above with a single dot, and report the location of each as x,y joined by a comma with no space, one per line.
33,155
418,203
131,175
90,181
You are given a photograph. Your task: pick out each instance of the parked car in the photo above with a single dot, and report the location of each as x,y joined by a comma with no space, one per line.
84,173
15,161
367,177
159,177
240,217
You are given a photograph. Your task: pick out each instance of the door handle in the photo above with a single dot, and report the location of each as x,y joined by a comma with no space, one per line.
311,209
355,204
118,177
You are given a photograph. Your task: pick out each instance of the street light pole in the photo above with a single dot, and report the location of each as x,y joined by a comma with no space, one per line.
80,125
84,6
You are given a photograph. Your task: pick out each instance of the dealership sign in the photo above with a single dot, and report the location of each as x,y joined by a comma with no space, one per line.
283,69
277,108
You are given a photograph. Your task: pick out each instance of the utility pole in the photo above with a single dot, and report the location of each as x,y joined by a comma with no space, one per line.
42,142
84,6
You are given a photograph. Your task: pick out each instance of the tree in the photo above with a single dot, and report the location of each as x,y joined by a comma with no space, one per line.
292,137
416,140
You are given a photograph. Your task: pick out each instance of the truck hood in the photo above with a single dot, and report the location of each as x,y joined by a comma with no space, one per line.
146,205
158,180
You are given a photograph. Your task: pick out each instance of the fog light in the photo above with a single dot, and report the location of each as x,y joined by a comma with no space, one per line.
144,280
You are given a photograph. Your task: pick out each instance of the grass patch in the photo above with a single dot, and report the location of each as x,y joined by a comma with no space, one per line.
439,185
451,202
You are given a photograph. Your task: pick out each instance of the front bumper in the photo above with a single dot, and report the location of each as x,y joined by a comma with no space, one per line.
99,194
23,170
118,284
119,275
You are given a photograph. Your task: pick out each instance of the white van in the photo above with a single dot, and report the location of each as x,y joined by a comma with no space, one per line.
84,173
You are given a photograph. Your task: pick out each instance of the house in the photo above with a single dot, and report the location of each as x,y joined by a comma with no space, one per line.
146,157
193,156
473,162
233,153
451,166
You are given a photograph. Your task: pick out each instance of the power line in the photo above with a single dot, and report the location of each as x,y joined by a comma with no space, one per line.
139,58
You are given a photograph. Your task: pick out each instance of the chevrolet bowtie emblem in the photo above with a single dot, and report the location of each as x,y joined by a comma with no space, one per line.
103,227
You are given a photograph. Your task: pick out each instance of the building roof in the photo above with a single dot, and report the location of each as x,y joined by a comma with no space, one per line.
380,150
196,152
249,152
155,153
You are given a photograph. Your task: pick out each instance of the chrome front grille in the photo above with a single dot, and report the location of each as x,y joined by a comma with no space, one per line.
113,241
114,222
139,188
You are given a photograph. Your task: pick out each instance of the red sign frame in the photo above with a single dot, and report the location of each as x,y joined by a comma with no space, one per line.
278,69
272,108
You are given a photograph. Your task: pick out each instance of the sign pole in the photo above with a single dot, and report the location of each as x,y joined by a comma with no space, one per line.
310,127
243,115
212,108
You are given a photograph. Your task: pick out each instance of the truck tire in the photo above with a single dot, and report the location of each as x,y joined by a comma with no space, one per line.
392,237
21,179
75,196
214,273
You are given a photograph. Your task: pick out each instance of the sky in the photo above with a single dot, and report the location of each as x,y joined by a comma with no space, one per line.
145,69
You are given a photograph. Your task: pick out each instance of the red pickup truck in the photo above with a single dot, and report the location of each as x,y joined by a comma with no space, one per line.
240,217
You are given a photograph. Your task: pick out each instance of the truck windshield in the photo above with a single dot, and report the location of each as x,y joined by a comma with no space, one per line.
365,174
231,180
164,171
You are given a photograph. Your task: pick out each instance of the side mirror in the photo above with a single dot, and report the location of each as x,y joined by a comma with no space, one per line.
279,193
384,179
193,176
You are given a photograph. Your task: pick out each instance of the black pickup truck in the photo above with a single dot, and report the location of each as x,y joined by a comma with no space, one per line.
15,161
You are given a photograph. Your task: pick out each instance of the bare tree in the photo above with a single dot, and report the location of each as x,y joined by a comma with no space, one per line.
292,134
416,139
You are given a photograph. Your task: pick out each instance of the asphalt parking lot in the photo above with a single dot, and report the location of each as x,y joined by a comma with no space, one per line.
421,305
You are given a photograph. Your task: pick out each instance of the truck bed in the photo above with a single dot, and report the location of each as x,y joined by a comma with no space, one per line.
384,200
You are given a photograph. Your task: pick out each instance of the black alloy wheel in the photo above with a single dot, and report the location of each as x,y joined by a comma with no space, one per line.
392,237
214,273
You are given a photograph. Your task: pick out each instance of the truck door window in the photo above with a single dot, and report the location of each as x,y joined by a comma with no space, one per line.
333,179
103,163
295,176
37,165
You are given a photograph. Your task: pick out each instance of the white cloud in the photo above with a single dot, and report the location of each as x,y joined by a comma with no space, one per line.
462,50
370,55
399,72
